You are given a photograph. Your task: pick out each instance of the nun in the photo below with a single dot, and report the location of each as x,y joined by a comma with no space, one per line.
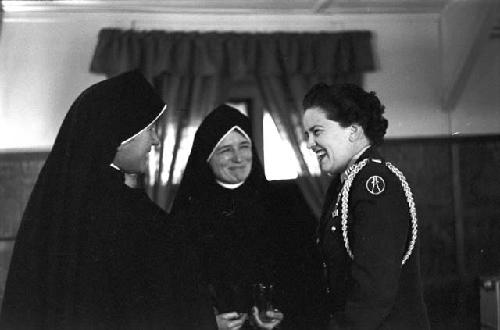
93,251
223,204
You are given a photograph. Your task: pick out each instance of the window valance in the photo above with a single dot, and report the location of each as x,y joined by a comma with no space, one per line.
233,54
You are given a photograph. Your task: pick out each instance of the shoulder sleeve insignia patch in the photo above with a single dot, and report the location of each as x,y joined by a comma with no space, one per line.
375,185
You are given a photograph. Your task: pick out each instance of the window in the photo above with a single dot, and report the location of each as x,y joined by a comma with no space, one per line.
280,162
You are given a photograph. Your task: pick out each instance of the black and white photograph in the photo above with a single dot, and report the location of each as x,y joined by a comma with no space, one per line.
249,164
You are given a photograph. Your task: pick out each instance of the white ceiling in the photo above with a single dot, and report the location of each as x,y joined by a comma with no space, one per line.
237,6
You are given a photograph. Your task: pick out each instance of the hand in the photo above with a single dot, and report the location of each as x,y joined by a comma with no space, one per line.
230,321
272,318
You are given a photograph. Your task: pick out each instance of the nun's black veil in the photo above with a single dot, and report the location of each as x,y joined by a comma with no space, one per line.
198,179
83,231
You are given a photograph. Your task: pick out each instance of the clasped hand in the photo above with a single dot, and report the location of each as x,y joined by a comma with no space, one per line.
234,320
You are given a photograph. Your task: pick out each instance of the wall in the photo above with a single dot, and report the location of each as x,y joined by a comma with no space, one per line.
471,67
478,108
407,80
44,64
18,174
44,60
456,183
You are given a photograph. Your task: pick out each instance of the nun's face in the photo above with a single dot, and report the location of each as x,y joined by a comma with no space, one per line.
231,161
132,157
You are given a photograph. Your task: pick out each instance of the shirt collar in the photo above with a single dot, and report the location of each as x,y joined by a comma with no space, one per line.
115,167
353,161
229,185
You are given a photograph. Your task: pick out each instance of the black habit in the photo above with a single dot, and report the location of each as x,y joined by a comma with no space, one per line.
91,252
230,228
240,233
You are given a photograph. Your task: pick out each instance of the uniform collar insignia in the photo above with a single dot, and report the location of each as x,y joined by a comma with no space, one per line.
353,162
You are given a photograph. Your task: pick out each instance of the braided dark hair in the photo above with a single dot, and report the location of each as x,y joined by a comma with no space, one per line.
348,104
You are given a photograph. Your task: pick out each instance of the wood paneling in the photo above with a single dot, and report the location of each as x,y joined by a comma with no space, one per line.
456,183
18,174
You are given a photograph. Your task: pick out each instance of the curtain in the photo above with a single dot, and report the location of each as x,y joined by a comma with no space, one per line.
193,71
189,99
285,108
1,17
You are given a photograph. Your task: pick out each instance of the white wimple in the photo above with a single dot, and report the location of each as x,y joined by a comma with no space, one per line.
236,127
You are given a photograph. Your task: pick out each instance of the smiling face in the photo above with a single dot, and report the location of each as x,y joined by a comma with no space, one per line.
332,143
132,156
231,161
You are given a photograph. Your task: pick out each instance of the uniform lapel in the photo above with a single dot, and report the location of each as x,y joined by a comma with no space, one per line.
333,194
329,204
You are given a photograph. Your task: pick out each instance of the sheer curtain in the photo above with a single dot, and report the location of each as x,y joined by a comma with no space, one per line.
193,71
189,99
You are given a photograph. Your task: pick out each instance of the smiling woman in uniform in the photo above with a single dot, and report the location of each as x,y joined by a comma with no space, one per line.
368,228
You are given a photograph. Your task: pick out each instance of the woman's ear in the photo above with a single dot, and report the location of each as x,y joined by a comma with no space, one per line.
356,133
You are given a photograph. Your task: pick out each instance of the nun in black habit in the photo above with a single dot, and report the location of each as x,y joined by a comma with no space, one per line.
222,202
92,252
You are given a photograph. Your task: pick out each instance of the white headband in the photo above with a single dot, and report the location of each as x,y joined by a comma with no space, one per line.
227,133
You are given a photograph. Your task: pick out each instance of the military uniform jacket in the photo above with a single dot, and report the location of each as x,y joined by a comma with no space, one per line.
371,290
